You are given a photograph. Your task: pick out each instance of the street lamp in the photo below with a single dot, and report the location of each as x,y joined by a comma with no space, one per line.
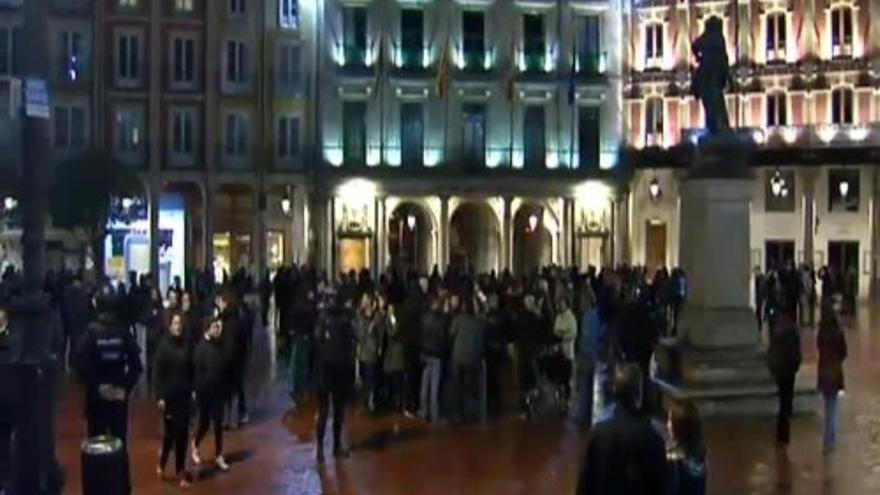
778,185
654,189
843,187
533,222
285,205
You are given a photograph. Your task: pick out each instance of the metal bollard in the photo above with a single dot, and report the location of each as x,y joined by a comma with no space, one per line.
104,467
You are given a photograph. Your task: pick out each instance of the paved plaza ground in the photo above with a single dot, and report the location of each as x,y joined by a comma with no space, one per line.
275,455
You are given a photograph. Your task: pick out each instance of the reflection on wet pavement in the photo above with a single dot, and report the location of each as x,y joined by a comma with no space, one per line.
398,456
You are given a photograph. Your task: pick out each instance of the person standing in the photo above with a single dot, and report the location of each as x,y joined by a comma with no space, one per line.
565,329
334,356
233,342
109,366
466,334
368,326
760,298
210,373
625,453
687,452
784,359
393,363
174,391
831,344
434,348
10,348
587,354
410,315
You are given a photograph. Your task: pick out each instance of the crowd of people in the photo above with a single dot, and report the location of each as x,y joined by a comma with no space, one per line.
457,347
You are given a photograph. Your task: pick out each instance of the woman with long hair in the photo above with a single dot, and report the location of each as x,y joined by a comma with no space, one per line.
831,344
687,451
174,392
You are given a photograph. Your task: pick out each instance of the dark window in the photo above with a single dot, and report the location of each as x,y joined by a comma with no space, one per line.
182,138
129,56
411,28
843,190
412,134
474,42
654,121
72,55
591,46
842,106
354,30
779,254
288,14
777,110
236,7
235,61
354,133
588,137
184,60
474,139
775,36
653,46
534,147
533,42
288,137
841,32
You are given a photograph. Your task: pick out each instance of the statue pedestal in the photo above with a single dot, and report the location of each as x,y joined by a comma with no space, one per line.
719,360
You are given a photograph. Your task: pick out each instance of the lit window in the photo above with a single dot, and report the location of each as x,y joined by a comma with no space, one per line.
183,5
288,14
841,32
842,106
775,37
777,110
654,122
72,55
654,46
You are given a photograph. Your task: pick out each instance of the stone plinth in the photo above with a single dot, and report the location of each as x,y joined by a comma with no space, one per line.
719,360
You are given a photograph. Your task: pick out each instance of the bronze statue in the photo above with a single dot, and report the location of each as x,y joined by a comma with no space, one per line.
712,76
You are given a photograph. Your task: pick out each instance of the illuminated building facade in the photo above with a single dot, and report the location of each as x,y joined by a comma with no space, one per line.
806,89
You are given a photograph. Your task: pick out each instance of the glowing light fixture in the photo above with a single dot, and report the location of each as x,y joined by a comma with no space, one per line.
843,188
286,203
778,185
533,222
10,203
411,222
858,133
654,189
827,133
789,134
126,202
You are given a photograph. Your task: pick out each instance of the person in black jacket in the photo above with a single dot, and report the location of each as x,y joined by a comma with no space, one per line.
234,340
210,374
109,366
435,347
784,361
625,453
174,392
334,355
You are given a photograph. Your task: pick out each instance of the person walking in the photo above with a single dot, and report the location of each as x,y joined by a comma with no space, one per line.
466,334
784,360
174,391
625,453
334,372
368,325
687,452
831,344
210,374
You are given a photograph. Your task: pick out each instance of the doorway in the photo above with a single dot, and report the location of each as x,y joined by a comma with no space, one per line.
843,256
778,254
591,250
655,245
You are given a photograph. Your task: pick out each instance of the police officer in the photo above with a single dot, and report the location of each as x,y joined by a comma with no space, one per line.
334,346
109,366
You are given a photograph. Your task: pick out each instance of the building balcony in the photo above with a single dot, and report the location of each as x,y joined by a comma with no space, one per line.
475,161
807,136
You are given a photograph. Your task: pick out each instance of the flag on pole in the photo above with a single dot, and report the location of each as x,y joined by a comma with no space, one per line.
510,89
443,71
571,72
380,66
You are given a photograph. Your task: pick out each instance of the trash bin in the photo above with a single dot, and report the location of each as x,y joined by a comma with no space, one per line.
104,467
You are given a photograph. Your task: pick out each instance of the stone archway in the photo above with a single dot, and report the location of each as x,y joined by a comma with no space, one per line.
410,238
474,239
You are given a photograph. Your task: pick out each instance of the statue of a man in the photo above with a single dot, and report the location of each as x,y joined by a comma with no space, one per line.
712,75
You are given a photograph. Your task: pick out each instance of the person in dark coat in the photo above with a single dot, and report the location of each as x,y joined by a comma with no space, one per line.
467,336
109,365
831,344
334,372
625,453
410,321
10,350
210,374
153,321
235,340
784,360
532,330
687,453
174,389
435,344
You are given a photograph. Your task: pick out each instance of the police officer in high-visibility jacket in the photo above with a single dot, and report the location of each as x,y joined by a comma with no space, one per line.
109,365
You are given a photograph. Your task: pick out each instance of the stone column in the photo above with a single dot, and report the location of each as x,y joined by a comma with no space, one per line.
330,249
297,225
444,233
507,235
809,179
620,205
